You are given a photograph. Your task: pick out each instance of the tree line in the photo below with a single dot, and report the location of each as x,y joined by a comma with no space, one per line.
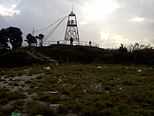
11,38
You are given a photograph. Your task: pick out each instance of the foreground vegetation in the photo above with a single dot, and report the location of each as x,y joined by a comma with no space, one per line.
78,90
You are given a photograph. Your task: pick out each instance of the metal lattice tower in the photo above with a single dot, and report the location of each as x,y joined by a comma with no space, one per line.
72,31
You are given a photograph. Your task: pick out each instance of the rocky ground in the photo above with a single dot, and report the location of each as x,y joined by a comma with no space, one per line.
77,90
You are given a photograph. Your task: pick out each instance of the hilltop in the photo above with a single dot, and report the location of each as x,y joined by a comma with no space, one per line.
75,54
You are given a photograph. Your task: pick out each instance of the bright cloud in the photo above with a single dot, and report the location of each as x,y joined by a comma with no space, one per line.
83,23
112,40
137,19
6,11
96,10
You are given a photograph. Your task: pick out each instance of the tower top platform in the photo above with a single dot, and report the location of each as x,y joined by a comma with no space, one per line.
72,13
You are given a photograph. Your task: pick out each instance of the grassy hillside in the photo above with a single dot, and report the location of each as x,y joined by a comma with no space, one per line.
69,54
78,90
76,54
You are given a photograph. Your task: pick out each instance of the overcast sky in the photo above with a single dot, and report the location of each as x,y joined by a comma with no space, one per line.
107,22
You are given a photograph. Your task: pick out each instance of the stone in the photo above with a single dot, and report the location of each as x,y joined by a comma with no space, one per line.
139,70
47,68
99,67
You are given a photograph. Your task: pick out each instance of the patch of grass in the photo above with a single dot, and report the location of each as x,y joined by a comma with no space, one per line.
93,90
7,96
34,108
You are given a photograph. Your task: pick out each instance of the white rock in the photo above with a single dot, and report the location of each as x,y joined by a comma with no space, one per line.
59,81
47,68
107,91
126,67
53,92
85,91
3,78
99,67
54,106
139,70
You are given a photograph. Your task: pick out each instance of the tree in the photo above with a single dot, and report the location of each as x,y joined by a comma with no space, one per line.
31,40
3,39
40,38
15,36
137,46
123,49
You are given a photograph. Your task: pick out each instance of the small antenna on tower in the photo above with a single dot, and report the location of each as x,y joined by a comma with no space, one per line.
72,7
33,31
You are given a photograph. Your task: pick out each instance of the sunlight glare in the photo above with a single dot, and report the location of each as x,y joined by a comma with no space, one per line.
137,19
96,10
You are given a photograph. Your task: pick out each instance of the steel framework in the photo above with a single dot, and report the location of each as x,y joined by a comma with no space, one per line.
72,32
